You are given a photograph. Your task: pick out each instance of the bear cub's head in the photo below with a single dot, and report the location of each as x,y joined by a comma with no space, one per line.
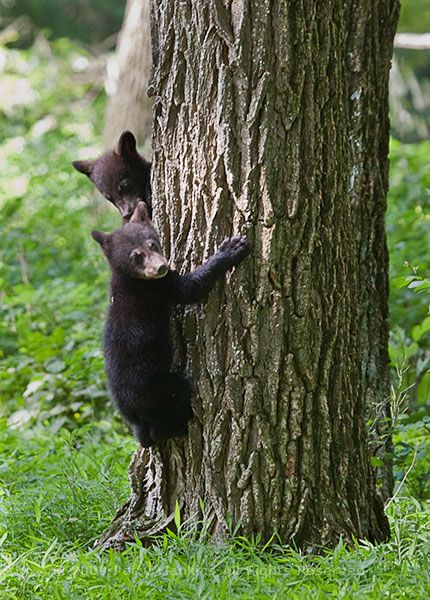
135,250
122,175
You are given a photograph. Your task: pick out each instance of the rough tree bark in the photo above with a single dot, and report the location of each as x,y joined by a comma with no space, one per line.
271,118
129,106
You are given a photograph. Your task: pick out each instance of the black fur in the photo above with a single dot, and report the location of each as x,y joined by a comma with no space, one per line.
122,175
138,345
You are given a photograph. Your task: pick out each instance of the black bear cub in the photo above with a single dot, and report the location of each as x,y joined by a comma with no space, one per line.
138,345
122,175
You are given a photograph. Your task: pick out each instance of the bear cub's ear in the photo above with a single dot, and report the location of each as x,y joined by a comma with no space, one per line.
84,166
101,238
126,146
140,214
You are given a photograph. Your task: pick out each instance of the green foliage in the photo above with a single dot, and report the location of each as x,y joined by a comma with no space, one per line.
408,218
412,458
59,491
53,279
408,226
90,21
414,16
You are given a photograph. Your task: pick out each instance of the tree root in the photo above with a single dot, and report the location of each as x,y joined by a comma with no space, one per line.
132,519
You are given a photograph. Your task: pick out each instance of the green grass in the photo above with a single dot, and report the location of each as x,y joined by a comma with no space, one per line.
59,492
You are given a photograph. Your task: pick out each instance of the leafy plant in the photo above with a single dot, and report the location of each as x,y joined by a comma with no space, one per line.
408,226
53,280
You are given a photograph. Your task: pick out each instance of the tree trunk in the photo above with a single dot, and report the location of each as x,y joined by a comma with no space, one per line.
271,119
129,106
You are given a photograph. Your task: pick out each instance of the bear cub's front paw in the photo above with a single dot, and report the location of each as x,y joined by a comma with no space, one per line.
234,249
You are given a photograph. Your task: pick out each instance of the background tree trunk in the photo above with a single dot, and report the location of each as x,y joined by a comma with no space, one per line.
271,119
129,106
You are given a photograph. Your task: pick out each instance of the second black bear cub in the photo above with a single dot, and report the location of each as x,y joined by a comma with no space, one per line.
122,175
138,345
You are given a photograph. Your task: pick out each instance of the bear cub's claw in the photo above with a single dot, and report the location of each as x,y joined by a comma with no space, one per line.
235,249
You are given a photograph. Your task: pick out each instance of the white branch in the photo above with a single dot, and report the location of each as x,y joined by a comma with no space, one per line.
413,41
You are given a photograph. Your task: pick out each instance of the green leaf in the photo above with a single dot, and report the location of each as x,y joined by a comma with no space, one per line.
177,516
419,330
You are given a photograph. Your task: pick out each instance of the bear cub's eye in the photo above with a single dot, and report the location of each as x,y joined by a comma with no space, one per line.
137,256
124,186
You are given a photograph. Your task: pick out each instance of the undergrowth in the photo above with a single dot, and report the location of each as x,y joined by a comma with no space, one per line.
53,281
59,492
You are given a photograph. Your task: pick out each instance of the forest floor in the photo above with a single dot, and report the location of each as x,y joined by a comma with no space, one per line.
60,491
